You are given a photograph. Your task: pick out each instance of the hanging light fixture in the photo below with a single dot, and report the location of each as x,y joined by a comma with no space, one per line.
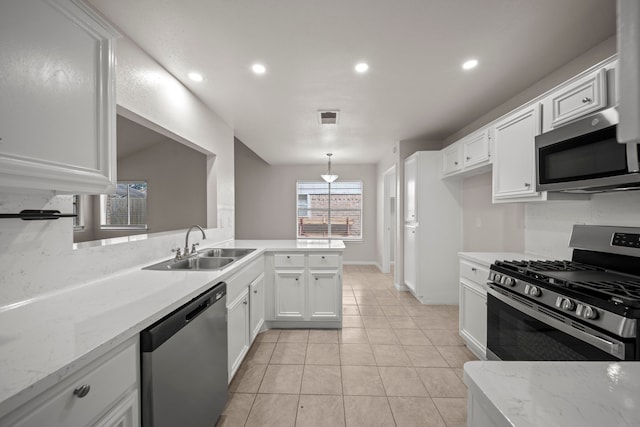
329,177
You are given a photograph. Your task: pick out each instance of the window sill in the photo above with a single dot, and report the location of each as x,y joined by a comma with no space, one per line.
123,227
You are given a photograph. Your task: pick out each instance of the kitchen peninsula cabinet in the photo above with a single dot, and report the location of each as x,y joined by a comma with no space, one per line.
57,109
304,290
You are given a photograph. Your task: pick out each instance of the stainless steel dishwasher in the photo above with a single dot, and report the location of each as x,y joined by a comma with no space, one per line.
184,364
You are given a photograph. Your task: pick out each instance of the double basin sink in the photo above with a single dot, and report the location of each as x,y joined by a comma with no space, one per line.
206,259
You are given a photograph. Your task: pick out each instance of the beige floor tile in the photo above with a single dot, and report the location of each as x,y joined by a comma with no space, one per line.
350,310
268,336
248,378
444,337
273,410
356,355
401,322
390,355
388,301
453,410
425,356
352,322
366,300
322,354
442,382
365,411
415,412
284,379
287,353
361,381
293,335
460,373
401,381
456,356
349,300
394,310
375,322
412,337
436,322
237,410
382,336
370,310
260,352
353,335
318,379
320,411
327,336
363,293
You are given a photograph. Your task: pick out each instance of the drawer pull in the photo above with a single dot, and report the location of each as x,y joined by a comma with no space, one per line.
468,158
296,279
586,100
82,391
255,291
316,278
474,269
322,256
288,257
455,163
245,302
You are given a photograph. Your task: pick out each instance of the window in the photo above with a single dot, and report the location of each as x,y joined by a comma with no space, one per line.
127,208
78,223
329,211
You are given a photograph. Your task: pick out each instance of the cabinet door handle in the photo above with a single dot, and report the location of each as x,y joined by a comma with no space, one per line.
474,269
322,256
245,302
296,279
316,278
526,184
255,291
468,158
288,257
455,163
586,99
82,391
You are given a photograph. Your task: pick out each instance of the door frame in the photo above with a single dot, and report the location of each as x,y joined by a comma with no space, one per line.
389,180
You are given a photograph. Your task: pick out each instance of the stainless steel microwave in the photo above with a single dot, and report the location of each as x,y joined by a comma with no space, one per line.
585,157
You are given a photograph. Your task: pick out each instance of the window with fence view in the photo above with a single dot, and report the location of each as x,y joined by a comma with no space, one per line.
127,208
329,211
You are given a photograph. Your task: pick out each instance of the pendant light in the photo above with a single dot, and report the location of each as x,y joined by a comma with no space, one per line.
329,177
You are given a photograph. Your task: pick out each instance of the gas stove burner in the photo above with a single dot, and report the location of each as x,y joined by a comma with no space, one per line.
539,266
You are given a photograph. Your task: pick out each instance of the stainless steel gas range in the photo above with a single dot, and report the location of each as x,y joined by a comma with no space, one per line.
584,309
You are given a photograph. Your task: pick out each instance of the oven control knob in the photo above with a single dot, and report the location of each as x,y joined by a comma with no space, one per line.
534,291
509,281
497,278
589,312
568,305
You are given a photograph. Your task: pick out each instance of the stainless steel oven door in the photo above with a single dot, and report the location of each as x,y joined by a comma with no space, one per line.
519,329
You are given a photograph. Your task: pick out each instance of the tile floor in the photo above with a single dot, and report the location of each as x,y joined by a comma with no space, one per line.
394,363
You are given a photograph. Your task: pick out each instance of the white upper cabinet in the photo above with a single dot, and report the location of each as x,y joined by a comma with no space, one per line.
469,156
410,182
476,149
581,97
57,109
514,175
452,159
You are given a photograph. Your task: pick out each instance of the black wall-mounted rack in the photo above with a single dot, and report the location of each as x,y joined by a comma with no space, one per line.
37,215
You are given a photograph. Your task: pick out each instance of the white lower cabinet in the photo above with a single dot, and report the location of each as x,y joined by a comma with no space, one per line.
473,306
104,393
324,294
256,305
304,290
238,334
290,293
410,256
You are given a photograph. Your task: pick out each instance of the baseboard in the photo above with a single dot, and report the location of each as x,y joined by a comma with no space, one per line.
360,263
400,287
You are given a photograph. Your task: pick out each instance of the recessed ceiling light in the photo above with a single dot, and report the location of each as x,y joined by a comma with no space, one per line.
362,67
472,63
196,77
258,68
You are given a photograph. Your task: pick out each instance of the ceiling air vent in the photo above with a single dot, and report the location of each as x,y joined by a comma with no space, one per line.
328,117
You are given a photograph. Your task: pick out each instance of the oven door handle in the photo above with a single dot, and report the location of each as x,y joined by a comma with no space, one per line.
614,348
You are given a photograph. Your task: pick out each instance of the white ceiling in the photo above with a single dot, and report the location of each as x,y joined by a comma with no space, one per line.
415,86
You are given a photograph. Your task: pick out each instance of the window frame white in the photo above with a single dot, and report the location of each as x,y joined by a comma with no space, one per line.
359,238
129,226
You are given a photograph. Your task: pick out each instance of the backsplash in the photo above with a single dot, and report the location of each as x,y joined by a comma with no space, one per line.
548,225
37,257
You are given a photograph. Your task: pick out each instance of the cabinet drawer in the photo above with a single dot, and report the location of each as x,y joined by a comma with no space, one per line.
108,382
474,272
319,261
584,96
288,260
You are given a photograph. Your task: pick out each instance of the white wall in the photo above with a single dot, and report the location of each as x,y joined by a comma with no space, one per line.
36,257
548,225
266,200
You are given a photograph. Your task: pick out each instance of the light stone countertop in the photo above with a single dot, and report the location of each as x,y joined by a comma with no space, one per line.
48,339
557,394
488,258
